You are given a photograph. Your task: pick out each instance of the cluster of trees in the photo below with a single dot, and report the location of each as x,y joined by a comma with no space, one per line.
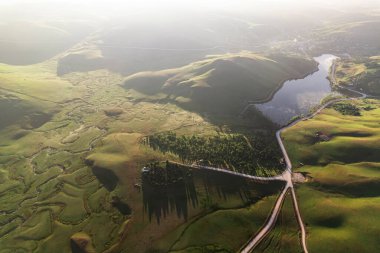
254,154
347,109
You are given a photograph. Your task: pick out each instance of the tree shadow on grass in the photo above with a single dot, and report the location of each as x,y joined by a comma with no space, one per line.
106,177
198,189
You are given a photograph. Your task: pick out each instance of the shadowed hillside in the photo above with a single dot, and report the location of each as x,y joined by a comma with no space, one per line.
222,84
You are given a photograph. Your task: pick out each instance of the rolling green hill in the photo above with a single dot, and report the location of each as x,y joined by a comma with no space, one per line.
341,198
30,95
221,84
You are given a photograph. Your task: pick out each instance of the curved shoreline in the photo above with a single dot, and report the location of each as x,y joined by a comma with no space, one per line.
280,85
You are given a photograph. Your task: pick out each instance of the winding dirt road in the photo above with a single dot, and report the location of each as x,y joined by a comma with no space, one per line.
285,176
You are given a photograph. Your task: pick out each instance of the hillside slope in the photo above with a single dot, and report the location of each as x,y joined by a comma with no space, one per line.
221,84
341,198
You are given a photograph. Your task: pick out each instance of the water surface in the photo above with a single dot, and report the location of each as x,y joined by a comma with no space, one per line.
297,97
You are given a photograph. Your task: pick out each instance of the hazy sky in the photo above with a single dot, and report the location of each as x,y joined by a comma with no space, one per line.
168,4
56,9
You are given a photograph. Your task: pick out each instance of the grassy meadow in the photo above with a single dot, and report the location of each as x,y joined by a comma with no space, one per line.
44,168
70,168
47,191
223,230
340,200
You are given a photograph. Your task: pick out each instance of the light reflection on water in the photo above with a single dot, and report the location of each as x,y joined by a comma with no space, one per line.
297,97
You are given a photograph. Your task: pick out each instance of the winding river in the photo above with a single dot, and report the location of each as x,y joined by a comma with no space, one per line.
297,97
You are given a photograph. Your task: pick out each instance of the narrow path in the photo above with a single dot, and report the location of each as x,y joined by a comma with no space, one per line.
280,177
268,226
299,219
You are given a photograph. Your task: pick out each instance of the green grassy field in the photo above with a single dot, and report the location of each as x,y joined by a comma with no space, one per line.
48,193
71,155
359,131
340,200
73,147
224,230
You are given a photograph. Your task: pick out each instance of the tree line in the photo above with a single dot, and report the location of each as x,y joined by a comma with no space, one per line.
347,109
252,154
